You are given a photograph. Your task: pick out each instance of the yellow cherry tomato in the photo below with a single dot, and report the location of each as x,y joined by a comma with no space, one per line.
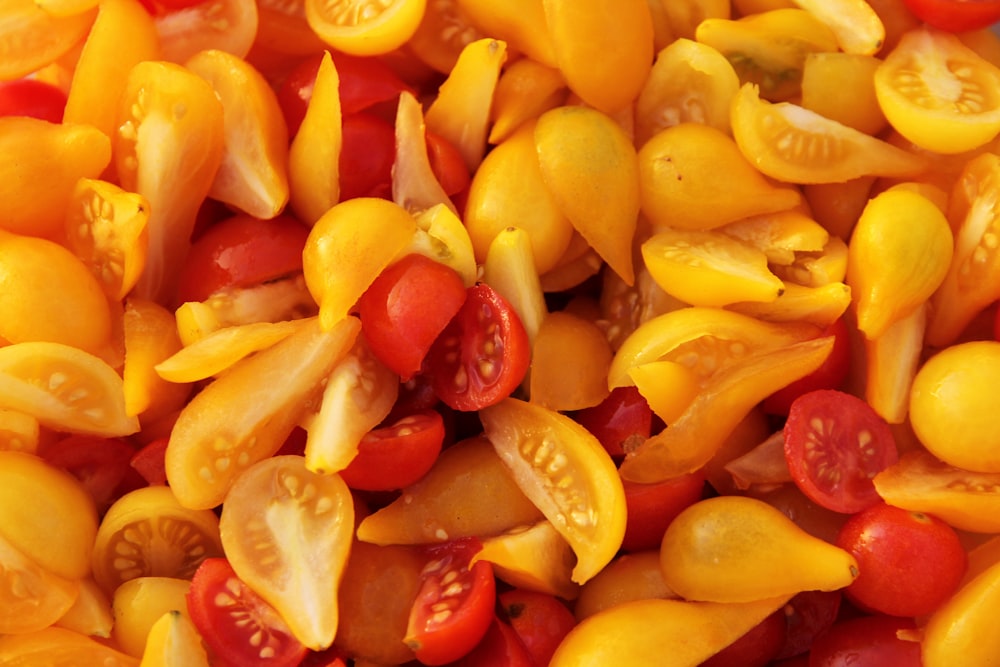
364,28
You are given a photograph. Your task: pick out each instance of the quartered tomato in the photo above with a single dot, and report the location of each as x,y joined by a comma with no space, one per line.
236,623
956,15
398,454
31,97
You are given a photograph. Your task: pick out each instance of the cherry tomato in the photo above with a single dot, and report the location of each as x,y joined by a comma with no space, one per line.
807,615
396,455
909,562
500,647
956,15
831,375
651,507
834,444
366,156
621,421
406,308
454,607
866,641
756,648
236,623
241,251
149,462
483,353
30,97
447,164
539,619
101,465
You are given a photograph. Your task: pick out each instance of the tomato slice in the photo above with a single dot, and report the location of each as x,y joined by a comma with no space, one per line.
454,606
236,623
483,353
396,455
835,444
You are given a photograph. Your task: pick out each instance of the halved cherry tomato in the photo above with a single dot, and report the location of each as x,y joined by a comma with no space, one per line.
651,507
830,375
483,353
31,97
396,455
909,562
101,465
406,308
834,444
622,421
956,15
236,623
454,607
867,641
540,620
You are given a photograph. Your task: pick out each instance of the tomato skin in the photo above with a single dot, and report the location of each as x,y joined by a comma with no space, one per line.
866,641
241,251
366,156
30,97
227,613
853,441
539,619
651,507
888,541
500,647
831,375
754,649
807,615
485,321
396,455
621,421
956,15
406,308
447,164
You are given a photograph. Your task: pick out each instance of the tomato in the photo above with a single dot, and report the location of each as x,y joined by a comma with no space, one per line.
483,353
651,507
539,619
32,597
225,25
835,444
867,641
807,615
406,308
956,15
754,649
499,647
454,606
241,251
236,623
31,97
447,164
909,562
366,156
398,454
830,375
101,465
362,28
621,421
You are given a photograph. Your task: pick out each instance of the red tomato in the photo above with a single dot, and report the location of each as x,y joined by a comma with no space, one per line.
237,624
29,97
807,615
651,507
835,443
540,620
622,421
454,607
394,456
149,462
756,648
366,157
956,15
163,7
909,562
242,251
101,465
483,353
866,641
447,164
500,647
830,375
406,308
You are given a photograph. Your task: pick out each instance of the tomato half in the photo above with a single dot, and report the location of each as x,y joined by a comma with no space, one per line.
406,308
956,15
236,623
483,353
398,454
866,641
835,443
454,607
31,97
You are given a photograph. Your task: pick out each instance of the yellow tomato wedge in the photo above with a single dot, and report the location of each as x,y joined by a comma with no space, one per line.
780,235
520,23
534,557
855,23
287,533
441,236
19,431
668,387
31,597
33,38
64,388
510,270
364,28
797,303
139,603
174,642
526,90
414,185
150,333
566,472
91,611
58,647
963,625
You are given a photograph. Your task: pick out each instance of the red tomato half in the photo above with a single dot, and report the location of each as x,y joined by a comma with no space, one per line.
835,443
756,648
830,375
454,607
101,465
651,507
866,641
29,97
540,620
242,251
394,456
237,624
482,355
622,421
500,647
956,15
366,156
909,562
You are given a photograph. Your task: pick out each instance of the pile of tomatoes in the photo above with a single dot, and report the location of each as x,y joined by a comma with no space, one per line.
475,333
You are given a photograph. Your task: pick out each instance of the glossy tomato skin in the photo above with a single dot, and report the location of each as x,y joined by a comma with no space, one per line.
956,15
30,97
482,355
398,454
756,648
366,156
499,647
622,421
406,308
242,251
866,641
651,507
831,375
540,620
908,562
835,443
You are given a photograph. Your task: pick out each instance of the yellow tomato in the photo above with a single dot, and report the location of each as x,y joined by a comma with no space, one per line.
151,337
365,28
31,597
570,360
629,577
174,640
58,647
535,557
138,603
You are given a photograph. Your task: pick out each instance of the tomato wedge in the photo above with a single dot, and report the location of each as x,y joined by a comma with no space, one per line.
398,454
835,444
